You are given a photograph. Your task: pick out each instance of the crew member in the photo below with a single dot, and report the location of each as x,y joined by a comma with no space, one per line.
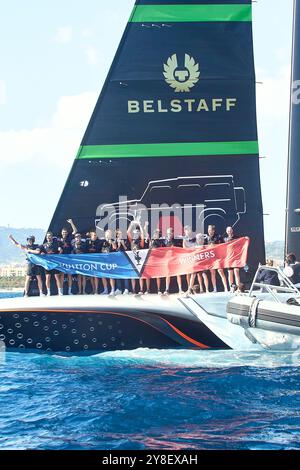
201,275
79,248
32,269
189,241
212,238
233,273
93,245
170,242
52,247
121,245
292,269
67,247
266,276
108,246
136,239
157,242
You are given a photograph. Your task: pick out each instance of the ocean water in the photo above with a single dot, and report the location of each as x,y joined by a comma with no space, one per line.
150,399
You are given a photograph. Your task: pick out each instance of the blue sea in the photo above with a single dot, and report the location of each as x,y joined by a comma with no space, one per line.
150,399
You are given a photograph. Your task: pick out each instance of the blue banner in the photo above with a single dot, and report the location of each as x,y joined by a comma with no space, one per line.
111,265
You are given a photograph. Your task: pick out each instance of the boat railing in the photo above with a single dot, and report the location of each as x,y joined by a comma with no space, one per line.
286,285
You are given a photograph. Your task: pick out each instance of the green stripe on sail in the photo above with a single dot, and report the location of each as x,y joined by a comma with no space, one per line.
190,13
168,150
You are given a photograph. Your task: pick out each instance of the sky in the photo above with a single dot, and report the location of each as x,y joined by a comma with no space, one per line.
54,58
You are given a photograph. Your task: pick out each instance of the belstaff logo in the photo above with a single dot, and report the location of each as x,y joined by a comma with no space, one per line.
182,79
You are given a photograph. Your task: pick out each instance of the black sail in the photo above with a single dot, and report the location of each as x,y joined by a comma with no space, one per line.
175,123
292,240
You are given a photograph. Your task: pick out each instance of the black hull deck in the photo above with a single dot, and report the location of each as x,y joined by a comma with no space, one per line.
92,324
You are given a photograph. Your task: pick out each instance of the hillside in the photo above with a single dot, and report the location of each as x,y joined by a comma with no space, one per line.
8,252
275,250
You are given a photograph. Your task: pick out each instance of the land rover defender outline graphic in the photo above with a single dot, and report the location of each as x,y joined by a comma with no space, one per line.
213,199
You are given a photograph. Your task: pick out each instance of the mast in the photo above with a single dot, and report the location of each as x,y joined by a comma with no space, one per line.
292,237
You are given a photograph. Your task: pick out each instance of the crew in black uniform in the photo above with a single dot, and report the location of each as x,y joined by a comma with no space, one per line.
52,247
265,276
93,245
108,246
169,242
212,238
121,245
189,241
157,242
67,247
79,247
201,275
32,269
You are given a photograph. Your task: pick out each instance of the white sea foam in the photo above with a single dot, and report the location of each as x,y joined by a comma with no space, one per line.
202,359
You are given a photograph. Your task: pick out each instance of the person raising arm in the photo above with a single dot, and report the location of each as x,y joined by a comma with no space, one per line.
32,269
67,247
74,228
136,234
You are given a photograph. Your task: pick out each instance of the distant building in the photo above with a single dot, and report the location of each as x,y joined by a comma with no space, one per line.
13,270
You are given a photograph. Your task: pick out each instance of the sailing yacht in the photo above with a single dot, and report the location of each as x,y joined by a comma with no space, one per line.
175,122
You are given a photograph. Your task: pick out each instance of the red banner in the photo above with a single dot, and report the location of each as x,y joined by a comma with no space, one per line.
167,262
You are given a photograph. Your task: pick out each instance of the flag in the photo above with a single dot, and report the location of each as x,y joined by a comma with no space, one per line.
147,264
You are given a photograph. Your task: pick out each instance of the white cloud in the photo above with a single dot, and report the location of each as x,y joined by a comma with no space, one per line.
56,144
74,112
63,35
3,97
273,96
282,53
273,105
273,102
91,55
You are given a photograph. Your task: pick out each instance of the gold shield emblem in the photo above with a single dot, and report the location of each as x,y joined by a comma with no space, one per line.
182,80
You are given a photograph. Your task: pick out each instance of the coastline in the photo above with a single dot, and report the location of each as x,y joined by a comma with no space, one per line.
11,289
